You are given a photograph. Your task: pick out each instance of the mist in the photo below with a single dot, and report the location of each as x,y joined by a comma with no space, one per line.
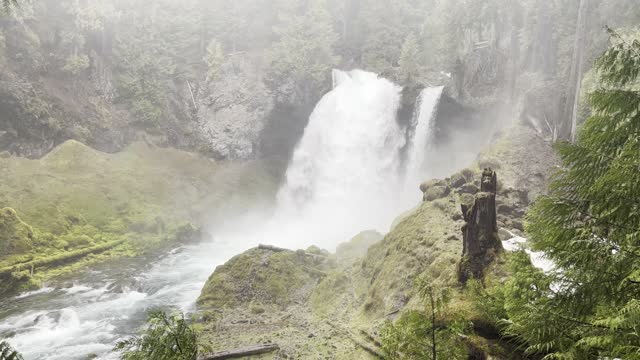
149,146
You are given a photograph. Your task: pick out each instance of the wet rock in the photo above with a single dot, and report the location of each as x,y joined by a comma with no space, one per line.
506,209
457,180
436,192
504,234
517,224
431,183
468,188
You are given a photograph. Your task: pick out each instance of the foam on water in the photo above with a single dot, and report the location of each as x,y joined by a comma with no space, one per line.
42,290
538,258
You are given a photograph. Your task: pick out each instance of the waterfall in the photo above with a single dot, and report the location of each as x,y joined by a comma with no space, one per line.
421,145
344,174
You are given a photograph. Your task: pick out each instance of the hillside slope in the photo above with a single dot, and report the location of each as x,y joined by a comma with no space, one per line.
83,203
350,299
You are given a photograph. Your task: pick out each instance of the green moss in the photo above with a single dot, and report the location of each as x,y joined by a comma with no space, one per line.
326,296
273,278
417,244
356,248
16,237
76,197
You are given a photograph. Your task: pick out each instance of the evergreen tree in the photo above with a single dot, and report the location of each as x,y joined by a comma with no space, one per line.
427,333
409,60
589,226
303,56
214,57
166,337
8,353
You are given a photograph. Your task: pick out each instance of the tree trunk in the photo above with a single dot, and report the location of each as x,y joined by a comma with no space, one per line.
480,242
434,349
573,92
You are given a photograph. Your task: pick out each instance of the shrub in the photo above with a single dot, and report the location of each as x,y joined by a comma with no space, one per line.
166,337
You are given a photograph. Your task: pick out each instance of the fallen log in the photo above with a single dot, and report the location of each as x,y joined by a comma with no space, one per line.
272,248
238,353
60,258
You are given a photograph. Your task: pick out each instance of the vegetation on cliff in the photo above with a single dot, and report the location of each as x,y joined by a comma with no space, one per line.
201,76
587,308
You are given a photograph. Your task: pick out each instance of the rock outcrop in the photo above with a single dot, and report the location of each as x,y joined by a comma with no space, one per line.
265,275
480,231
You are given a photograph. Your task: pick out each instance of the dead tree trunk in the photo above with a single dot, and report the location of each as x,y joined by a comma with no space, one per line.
480,233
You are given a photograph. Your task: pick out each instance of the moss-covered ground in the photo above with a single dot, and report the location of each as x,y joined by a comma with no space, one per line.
76,200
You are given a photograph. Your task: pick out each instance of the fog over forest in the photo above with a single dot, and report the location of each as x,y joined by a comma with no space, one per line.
319,179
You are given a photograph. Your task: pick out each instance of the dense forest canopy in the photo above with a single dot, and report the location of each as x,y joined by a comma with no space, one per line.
158,66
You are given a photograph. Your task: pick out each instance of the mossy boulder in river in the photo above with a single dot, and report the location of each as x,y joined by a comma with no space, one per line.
16,237
265,275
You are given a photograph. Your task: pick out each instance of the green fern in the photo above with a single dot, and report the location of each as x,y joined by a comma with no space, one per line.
166,337
589,225
8,353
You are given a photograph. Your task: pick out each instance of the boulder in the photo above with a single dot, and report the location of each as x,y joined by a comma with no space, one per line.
506,209
436,192
457,180
265,275
431,183
468,188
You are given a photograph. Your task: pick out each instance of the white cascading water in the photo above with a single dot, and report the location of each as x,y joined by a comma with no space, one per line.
343,178
421,148
344,175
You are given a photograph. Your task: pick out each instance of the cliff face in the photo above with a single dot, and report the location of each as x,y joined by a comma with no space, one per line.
70,73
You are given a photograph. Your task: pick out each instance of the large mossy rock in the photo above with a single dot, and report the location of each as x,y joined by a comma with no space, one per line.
16,236
425,241
268,276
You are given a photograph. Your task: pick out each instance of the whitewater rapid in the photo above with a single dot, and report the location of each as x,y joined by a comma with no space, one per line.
346,175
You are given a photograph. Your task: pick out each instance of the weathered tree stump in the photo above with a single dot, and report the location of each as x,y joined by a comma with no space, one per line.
480,241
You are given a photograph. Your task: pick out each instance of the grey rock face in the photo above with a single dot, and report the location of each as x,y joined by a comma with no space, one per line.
232,109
